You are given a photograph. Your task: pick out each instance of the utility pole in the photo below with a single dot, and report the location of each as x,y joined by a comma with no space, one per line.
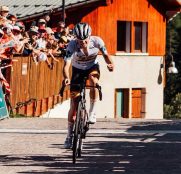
63,10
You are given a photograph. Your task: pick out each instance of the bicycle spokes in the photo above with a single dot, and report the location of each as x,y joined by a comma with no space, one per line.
80,128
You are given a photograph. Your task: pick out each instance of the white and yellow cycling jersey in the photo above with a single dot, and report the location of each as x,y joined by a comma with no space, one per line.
78,57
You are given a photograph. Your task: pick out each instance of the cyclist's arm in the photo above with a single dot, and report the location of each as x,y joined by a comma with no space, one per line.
66,68
101,45
107,58
67,64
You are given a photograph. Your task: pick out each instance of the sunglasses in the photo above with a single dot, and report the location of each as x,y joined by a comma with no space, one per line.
7,30
34,34
16,32
83,41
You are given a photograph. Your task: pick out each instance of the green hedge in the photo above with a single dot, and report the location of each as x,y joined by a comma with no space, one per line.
173,110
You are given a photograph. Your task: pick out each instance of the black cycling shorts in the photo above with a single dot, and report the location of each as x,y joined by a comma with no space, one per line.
78,75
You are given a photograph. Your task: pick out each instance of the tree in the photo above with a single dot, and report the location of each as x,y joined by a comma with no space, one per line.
173,46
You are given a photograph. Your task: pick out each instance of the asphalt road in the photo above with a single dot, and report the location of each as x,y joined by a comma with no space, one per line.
124,147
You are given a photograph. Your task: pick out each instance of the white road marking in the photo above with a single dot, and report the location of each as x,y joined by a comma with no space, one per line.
148,140
160,134
94,131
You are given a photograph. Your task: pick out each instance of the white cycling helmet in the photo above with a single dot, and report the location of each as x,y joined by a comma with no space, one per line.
82,30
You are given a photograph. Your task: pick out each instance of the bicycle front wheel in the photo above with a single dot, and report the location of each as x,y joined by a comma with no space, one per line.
83,127
76,134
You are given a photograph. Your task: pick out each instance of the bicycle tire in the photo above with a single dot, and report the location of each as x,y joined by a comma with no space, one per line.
86,124
83,130
79,150
76,134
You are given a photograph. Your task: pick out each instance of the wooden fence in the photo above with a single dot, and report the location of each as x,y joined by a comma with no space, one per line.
34,88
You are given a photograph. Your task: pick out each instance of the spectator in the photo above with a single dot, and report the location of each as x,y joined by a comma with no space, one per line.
32,44
20,41
1,36
58,31
7,29
20,25
7,41
62,45
22,28
41,42
12,19
41,23
66,33
10,43
50,35
17,33
52,45
47,19
4,11
39,53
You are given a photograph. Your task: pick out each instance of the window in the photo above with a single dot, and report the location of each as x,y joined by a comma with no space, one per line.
144,37
132,36
138,36
123,36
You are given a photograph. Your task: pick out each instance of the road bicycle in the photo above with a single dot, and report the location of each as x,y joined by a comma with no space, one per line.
81,125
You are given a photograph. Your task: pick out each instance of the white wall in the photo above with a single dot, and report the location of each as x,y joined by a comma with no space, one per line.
133,72
130,72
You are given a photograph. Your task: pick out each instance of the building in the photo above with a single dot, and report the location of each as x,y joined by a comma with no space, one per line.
135,35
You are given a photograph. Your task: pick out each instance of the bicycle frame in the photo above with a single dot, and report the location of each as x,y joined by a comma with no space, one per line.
81,126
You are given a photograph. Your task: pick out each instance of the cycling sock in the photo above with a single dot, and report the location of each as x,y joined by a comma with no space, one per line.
70,128
93,104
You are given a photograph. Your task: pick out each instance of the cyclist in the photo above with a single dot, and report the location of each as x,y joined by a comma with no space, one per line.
82,54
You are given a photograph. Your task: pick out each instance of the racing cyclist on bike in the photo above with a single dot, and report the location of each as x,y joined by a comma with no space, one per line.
82,54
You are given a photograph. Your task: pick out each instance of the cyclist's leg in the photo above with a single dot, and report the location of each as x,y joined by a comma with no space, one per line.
71,119
93,79
72,113
71,116
77,78
74,93
93,100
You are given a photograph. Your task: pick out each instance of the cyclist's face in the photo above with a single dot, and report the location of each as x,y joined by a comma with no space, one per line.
83,43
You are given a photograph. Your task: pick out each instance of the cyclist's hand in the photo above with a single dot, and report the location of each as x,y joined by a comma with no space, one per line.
110,67
66,81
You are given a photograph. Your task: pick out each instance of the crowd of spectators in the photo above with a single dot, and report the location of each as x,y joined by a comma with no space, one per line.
40,41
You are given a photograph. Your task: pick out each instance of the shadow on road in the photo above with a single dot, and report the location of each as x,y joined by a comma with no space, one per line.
153,125
124,154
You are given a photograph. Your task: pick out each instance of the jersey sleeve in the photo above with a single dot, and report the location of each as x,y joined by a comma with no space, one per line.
101,45
69,51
